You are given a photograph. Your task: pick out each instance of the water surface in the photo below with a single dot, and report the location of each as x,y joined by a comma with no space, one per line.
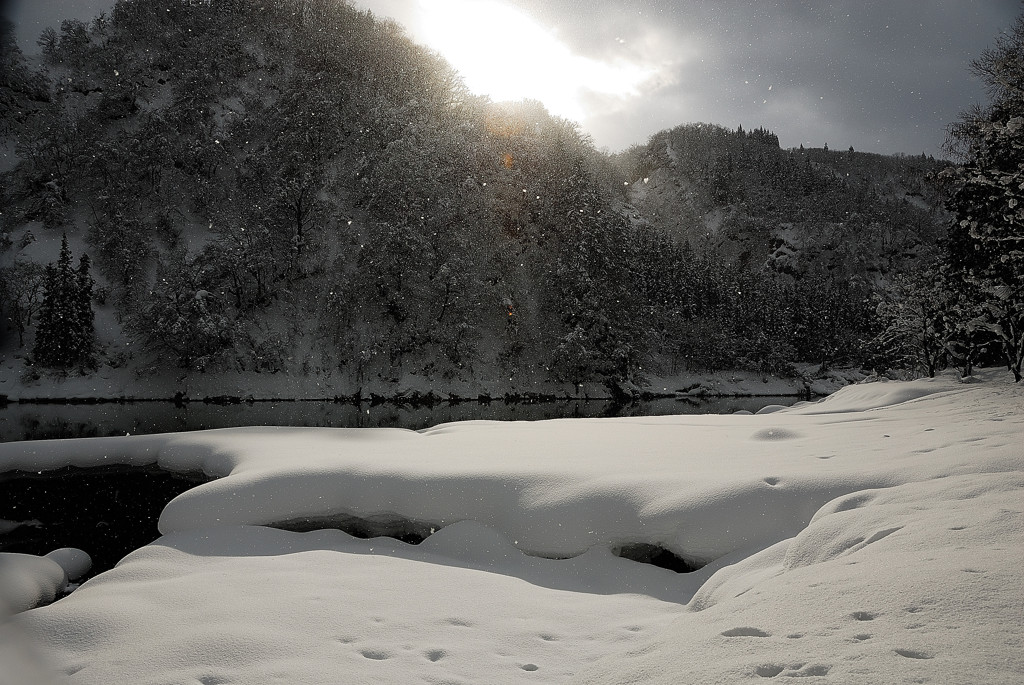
46,421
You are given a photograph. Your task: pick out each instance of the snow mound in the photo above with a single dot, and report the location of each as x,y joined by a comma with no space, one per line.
258,606
916,583
868,396
75,562
27,581
700,487
872,537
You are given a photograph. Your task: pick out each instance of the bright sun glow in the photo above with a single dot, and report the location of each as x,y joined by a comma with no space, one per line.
506,54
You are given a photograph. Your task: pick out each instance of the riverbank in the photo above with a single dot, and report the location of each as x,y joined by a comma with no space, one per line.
109,384
872,536
79,419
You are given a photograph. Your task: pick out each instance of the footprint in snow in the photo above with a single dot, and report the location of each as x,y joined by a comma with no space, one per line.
745,631
863,616
769,670
774,434
797,671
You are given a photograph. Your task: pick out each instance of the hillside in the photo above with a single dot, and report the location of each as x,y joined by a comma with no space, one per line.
802,212
296,188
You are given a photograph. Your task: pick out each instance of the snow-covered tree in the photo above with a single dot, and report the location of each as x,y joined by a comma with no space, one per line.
914,320
82,308
185,319
21,294
65,333
986,245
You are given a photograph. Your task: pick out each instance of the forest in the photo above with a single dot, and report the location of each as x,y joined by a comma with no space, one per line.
294,186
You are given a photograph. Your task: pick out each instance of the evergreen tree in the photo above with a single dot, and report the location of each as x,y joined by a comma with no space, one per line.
65,334
84,315
48,344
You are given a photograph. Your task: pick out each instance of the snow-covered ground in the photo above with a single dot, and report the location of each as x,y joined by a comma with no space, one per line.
874,537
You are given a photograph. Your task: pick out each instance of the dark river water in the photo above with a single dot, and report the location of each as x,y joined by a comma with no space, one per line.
47,421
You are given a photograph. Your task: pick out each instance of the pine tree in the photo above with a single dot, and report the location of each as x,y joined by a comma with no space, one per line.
47,347
65,334
85,317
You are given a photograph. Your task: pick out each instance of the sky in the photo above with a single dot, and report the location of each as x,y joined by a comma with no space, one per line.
878,75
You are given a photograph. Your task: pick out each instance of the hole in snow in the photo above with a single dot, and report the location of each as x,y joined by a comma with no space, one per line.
414,532
655,555
406,530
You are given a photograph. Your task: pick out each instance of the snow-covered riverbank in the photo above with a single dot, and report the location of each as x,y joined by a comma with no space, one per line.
21,383
875,536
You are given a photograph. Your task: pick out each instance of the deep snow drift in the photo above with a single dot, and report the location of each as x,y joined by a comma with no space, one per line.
876,536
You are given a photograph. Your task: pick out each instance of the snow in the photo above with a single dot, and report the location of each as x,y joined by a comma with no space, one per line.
917,583
27,581
9,526
330,605
875,536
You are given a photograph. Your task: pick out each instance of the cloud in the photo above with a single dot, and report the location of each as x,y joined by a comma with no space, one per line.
880,75
508,54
